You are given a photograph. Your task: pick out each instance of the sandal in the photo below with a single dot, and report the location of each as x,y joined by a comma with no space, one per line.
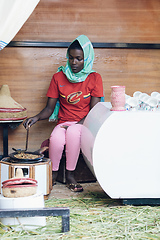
75,187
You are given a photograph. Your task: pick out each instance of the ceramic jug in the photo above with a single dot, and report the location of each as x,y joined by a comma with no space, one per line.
118,98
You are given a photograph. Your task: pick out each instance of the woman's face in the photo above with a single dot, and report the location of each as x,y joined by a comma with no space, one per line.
76,60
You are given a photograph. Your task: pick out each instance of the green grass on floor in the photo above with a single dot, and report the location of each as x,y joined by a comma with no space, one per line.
95,216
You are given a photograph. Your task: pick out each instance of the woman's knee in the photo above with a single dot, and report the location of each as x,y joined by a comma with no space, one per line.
74,130
57,136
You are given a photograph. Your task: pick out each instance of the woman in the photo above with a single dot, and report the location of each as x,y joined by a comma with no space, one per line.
78,89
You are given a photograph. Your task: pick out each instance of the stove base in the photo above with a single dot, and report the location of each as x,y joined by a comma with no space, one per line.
42,172
33,202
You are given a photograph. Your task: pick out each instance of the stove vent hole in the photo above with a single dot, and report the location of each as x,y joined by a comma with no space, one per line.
25,171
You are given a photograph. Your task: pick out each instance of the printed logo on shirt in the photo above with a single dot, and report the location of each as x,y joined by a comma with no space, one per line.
73,98
62,85
62,96
86,96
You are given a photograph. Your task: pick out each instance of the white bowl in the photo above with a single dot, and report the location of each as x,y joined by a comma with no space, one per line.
132,101
136,94
153,102
154,94
145,98
142,96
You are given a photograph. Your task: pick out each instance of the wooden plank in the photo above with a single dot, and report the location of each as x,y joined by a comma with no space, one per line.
28,72
95,45
102,21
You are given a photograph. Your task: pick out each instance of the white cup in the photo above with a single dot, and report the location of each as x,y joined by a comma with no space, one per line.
153,103
158,98
136,94
133,103
127,96
142,96
144,105
154,94
147,107
142,99
145,98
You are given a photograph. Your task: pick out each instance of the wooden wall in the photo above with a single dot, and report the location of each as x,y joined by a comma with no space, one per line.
101,20
28,70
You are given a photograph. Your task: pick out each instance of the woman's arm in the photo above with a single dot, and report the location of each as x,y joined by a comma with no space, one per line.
94,101
47,111
44,114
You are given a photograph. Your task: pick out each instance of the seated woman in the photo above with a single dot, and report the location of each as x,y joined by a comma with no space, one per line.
78,89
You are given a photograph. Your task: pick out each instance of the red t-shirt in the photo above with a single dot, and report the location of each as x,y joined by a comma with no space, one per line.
74,97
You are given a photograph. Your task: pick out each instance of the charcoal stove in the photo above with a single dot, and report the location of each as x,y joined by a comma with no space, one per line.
40,170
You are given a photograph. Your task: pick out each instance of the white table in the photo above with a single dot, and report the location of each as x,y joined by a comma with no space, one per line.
122,149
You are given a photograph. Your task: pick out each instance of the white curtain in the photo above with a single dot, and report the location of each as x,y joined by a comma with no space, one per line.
13,14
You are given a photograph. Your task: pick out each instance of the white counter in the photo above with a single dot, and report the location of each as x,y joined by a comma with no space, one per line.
35,201
122,149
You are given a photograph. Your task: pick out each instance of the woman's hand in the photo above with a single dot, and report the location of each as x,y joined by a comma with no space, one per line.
30,121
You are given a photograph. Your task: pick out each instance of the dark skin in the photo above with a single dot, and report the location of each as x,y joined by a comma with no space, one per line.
76,60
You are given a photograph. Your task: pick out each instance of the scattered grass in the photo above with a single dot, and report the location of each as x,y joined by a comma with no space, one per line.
95,216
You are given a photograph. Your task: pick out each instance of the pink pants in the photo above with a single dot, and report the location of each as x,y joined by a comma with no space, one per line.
70,138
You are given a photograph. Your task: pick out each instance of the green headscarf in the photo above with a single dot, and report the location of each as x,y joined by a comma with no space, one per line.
80,76
88,51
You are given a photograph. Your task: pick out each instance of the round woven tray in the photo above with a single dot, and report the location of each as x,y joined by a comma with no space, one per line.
19,191
19,187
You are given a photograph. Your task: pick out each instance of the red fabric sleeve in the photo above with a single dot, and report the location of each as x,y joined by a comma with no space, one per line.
53,89
97,90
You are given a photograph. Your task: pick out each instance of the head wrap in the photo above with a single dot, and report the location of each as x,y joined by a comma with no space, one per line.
81,76
88,52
